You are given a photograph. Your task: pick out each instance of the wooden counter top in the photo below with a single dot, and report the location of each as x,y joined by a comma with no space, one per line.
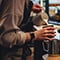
54,57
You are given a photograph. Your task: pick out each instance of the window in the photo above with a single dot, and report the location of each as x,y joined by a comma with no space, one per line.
54,12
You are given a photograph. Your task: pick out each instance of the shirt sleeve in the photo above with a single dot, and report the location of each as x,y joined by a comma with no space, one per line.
12,17
13,38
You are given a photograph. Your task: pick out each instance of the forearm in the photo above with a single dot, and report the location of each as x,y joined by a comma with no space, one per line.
11,39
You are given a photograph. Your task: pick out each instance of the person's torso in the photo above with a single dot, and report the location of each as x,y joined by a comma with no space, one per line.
12,13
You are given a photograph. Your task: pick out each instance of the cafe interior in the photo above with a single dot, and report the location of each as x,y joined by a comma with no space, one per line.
48,50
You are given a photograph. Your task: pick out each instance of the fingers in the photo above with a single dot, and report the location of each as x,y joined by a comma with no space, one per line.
49,35
36,8
46,33
49,30
37,5
49,39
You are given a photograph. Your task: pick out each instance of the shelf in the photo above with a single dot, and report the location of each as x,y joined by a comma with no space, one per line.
54,4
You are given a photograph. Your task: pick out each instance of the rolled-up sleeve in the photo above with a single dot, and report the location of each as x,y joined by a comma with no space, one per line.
11,39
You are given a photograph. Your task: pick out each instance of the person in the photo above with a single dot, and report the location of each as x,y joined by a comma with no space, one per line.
12,14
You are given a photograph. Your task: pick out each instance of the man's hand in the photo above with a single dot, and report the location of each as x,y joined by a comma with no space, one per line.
36,8
45,34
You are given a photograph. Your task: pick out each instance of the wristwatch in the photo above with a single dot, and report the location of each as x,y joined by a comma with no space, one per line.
32,35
